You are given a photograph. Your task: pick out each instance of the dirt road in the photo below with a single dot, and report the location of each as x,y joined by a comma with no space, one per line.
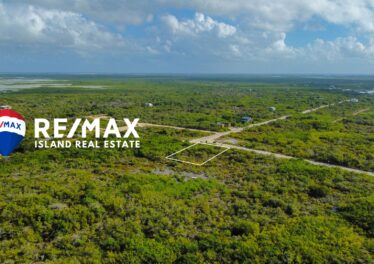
322,106
212,139
173,127
282,156
217,135
354,114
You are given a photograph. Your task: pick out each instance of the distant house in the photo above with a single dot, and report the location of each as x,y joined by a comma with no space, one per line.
246,119
272,109
221,124
148,105
5,107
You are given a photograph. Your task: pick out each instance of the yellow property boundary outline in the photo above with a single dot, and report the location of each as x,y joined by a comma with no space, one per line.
194,163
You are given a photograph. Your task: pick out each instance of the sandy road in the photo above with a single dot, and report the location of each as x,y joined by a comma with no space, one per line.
322,106
361,111
217,135
173,127
282,156
124,128
211,139
316,109
354,114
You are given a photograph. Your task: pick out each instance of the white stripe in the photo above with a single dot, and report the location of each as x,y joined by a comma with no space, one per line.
11,120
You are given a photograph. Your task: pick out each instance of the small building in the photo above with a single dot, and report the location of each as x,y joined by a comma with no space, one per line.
246,119
354,100
5,107
272,109
220,124
148,105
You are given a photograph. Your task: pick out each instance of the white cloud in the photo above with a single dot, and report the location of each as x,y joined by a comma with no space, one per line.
117,11
280,15
207,36
235,50
245,30
26,24
279,46
200,24
284,14
346,47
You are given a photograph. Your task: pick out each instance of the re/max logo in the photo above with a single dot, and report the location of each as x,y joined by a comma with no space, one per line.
60,129
7,124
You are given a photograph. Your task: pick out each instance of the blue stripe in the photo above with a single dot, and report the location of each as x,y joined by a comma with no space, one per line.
8,142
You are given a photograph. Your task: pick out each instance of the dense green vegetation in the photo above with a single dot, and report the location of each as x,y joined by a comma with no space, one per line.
193,104
134,206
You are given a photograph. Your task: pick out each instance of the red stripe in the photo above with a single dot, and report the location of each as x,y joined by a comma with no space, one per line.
11,113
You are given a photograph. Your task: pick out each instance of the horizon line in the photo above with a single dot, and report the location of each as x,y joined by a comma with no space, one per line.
186,73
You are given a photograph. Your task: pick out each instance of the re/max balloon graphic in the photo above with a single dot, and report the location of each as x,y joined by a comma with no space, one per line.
12,131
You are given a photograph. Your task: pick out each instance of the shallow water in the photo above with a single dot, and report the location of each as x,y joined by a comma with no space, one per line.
367,92
20,83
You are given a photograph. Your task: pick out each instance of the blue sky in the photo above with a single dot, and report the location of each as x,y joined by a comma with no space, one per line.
196,36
